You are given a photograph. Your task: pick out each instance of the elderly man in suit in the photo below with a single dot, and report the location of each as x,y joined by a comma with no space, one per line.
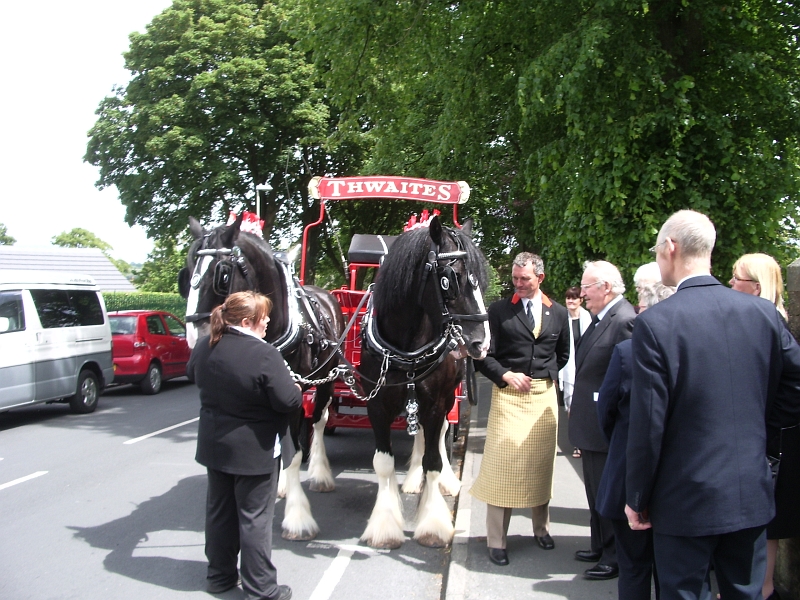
612,315
708,365
530,344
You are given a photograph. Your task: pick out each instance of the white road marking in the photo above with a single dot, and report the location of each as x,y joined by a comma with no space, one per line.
149,435
333,574
21,479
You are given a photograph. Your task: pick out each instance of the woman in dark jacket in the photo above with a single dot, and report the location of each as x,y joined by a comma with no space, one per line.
246,393
760,275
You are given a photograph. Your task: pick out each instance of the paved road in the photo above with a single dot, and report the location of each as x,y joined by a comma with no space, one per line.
95,506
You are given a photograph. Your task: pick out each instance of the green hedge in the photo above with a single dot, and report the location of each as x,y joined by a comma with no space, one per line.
146,301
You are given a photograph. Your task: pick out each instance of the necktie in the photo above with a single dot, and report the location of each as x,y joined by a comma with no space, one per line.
529,312
595,320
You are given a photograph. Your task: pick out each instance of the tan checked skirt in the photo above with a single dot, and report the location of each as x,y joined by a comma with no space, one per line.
520,451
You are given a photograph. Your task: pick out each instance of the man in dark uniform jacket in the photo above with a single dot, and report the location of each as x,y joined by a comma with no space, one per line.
612,315
530,344
708,364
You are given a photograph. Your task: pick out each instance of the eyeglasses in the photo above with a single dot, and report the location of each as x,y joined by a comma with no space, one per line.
735,278
583,286
654,249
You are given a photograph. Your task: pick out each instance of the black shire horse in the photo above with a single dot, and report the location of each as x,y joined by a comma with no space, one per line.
426,314
305,323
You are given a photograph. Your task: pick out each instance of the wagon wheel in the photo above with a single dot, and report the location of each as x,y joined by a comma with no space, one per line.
470,385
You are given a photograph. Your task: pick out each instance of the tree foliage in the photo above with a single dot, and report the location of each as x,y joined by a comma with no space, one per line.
5,239
580,125
160,271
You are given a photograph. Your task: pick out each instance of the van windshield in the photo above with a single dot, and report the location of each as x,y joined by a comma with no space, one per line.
122,325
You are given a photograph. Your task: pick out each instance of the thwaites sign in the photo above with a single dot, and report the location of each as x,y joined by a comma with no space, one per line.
389,188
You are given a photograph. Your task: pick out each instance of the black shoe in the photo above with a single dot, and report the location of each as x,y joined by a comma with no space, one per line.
601,572
587,556
284,593
498,556
218,587
545,542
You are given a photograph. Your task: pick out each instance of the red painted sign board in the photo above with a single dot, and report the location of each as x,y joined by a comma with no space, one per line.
376,187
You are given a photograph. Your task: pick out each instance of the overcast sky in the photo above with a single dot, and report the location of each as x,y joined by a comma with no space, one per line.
62,58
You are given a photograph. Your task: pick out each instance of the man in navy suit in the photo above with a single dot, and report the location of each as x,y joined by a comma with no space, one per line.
612,315
709,364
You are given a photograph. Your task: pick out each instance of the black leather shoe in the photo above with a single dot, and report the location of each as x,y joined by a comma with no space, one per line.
545,542
498,556
601,572
218,587
284,593
587,556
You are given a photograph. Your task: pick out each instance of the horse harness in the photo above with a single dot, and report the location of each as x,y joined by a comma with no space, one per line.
305,315
430,356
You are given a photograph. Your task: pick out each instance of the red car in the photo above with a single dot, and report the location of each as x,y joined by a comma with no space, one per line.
149,348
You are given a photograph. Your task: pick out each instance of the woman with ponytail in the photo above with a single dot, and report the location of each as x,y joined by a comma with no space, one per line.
246,395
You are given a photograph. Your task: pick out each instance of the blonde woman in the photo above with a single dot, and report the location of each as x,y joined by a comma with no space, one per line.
760,275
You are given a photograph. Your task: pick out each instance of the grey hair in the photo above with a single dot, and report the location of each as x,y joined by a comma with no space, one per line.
651,294
523,258
608,273
646,274
693,233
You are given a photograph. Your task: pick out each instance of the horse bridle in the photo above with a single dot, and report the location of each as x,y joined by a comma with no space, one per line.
229,262
448,290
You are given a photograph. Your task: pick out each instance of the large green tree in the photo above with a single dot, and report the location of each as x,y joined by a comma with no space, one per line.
581,125
219,102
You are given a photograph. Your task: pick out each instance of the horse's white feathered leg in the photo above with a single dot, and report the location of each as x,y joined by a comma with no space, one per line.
385,526
412,484
320,478
434,520
448,482
298,524
282,483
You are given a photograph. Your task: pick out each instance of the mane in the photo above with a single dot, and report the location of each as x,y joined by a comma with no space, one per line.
397,286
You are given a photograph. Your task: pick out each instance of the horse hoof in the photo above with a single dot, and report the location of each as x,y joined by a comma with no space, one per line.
431,541
321,486
303,536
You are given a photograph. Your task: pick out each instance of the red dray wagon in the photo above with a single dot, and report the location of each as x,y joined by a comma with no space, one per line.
367,252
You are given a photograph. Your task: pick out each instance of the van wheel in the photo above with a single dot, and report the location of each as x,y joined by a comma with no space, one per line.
151,384
85,399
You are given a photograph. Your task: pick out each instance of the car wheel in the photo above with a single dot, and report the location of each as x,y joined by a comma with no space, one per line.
86,396
151,384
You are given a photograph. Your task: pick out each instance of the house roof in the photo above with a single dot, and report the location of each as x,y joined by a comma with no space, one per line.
90,261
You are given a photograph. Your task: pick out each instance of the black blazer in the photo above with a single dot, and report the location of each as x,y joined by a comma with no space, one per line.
613,410
709,364
513,347
245,394
591,362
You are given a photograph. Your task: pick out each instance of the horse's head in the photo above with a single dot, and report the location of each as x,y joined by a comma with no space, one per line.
433,281
220,262
458,286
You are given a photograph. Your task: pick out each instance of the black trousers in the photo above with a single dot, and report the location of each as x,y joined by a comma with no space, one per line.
602,532
740,563
239,512
635,556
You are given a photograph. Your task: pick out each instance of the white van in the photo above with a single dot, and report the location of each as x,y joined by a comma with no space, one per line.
55,340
